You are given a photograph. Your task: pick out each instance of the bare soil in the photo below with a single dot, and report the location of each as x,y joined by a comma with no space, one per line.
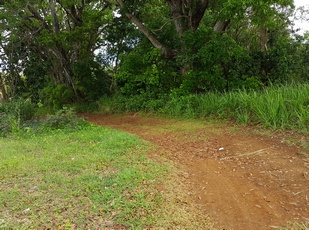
239,177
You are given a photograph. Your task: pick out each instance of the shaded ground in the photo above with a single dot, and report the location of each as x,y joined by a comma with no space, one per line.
242,179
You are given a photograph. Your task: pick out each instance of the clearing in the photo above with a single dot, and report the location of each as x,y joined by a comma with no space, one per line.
239,177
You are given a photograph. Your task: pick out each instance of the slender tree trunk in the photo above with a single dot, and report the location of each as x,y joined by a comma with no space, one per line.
263,48
3,96
263,39
55,17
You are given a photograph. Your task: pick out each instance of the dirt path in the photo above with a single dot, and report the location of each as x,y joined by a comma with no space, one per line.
241,179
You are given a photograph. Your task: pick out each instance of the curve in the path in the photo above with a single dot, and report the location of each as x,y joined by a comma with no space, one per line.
252,182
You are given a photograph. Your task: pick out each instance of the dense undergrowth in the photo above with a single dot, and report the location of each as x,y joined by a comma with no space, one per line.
278,107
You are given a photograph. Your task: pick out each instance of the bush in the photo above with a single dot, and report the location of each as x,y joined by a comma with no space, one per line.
57,96
18,107
64,118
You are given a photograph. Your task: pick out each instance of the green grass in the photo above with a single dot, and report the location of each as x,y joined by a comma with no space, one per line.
279,107
90,178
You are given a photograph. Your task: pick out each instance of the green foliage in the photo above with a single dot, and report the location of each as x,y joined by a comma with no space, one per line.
48,40
22,108
91,79
35,78
218,63
57,95
284,107
144,73
203,59
143,102
299,53
64,118
17,119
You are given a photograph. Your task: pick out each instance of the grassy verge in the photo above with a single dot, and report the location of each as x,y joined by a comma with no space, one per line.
283,107
278,107
90,178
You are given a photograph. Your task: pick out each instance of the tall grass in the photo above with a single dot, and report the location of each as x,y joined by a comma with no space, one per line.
280,107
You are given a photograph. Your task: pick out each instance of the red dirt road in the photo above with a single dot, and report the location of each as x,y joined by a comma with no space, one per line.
241,179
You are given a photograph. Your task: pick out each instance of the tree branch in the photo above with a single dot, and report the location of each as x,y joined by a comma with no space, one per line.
221,26
199,13
38,16
154,41
55,17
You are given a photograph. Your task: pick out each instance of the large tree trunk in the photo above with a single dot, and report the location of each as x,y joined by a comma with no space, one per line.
187,15
178,15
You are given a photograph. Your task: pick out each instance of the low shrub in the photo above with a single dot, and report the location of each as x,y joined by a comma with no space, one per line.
64,118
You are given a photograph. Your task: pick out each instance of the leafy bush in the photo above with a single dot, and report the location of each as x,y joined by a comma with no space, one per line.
16,117
64,118
5,126
56,96
146,73
92,81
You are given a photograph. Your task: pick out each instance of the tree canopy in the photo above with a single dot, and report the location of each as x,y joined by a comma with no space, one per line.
80,50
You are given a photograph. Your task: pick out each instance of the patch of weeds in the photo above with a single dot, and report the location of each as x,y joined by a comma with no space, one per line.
305,144
13,114
63,118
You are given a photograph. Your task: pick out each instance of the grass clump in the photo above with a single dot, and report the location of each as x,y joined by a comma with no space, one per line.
86,178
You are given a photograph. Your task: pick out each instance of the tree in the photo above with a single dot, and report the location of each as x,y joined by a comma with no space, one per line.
210,42
187,15
154,45
61,33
